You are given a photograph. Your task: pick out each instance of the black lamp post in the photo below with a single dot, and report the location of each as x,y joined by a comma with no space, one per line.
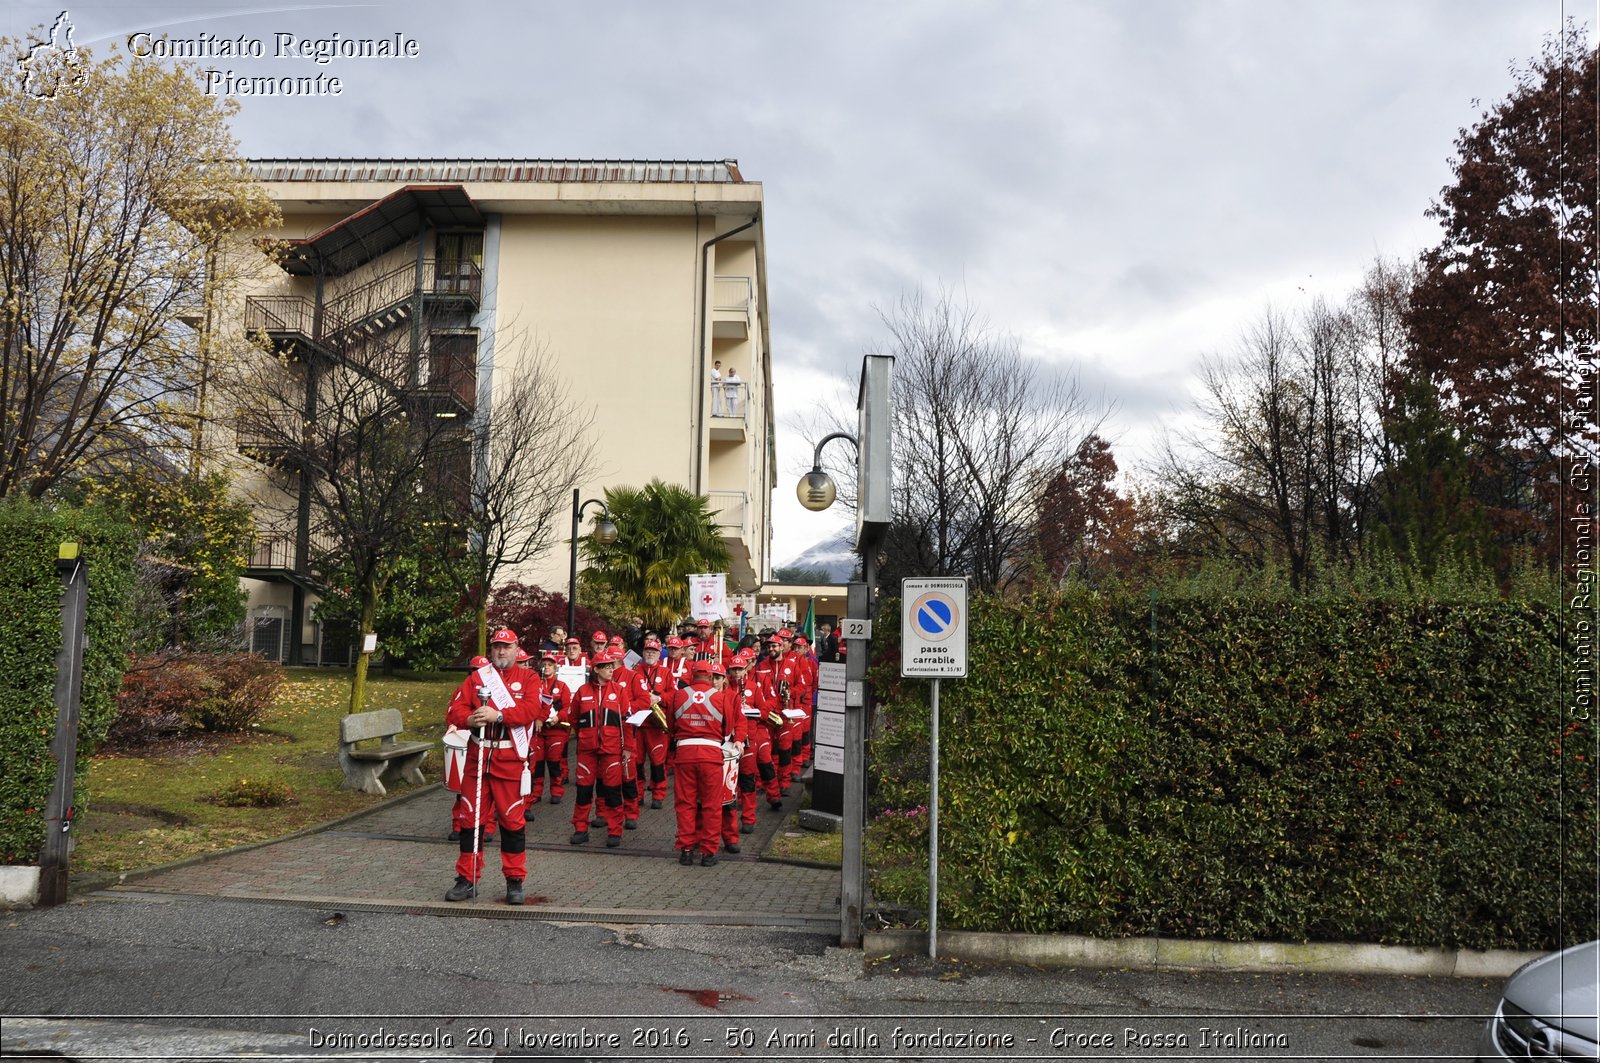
605,533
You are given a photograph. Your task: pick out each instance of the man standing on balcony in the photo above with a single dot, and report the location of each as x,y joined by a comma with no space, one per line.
732,388
717,409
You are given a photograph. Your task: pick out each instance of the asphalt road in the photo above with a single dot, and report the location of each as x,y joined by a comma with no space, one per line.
122,975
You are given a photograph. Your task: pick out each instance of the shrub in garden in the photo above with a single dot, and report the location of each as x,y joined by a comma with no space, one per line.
174,693
156,700
245,687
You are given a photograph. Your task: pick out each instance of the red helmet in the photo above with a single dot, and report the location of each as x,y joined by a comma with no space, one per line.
478,662
504,634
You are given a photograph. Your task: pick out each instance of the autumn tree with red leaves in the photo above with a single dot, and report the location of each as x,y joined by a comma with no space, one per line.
1086,530
1503,315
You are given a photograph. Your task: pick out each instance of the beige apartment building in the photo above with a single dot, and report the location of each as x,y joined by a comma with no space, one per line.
637,277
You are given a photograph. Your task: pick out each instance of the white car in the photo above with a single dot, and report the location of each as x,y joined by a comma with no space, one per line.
1548,1010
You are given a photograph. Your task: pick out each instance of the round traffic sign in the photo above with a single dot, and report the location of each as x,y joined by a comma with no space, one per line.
935,616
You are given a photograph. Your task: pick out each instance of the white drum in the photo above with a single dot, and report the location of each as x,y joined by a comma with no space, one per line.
455,758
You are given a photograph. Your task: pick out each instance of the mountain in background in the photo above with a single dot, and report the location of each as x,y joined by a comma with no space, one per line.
836,557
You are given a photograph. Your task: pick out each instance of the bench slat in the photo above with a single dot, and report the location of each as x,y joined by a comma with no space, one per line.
390,752
380,723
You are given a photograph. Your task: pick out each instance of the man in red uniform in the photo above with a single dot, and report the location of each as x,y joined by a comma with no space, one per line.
707,647
754,704
598,708
575,654
764,671
632,768
678,662
728,701
462,808
808,664
597,644
700,723
652,682
502,717
557,701
790,676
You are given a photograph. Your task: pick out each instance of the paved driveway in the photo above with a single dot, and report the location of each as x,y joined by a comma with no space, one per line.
399,857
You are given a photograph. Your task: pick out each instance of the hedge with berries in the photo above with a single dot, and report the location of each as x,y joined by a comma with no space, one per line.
1246,766
30,636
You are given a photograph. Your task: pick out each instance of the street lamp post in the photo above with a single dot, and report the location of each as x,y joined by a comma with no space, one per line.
605,533
816,491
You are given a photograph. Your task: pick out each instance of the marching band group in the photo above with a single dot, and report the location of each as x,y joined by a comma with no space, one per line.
732,725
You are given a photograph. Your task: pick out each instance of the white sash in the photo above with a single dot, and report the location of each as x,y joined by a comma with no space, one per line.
489,675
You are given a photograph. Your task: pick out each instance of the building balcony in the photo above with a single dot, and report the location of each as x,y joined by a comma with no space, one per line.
274,559
730,415
730,511
732,306
286,321
273,441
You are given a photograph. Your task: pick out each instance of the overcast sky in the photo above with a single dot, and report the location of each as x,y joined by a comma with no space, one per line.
1122,185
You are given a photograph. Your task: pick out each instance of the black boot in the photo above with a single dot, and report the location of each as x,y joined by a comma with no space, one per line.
686,857
579,838
461,891
513,891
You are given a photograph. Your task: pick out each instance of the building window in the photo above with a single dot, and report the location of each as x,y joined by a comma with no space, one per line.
460,262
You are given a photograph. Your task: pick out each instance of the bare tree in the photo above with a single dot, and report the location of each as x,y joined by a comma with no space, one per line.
1295,434
108,234
365,432
979,431
532,450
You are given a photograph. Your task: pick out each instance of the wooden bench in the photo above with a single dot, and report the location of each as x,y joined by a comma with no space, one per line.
364,768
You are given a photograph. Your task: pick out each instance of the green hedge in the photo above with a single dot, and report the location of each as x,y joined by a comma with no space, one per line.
1210,766
30,635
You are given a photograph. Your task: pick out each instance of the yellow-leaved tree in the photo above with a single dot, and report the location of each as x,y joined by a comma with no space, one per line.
120,183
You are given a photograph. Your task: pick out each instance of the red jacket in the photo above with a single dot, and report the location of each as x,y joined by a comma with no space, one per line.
598,710
712,649
650,679
755,701
791,671
557,696
525,688
701,720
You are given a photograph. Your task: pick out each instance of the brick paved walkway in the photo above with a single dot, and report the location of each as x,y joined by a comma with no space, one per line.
399,856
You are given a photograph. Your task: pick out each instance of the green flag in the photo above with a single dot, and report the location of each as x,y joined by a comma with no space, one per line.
808,629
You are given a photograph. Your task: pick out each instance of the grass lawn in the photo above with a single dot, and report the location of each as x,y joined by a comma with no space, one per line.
794,842
153,806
